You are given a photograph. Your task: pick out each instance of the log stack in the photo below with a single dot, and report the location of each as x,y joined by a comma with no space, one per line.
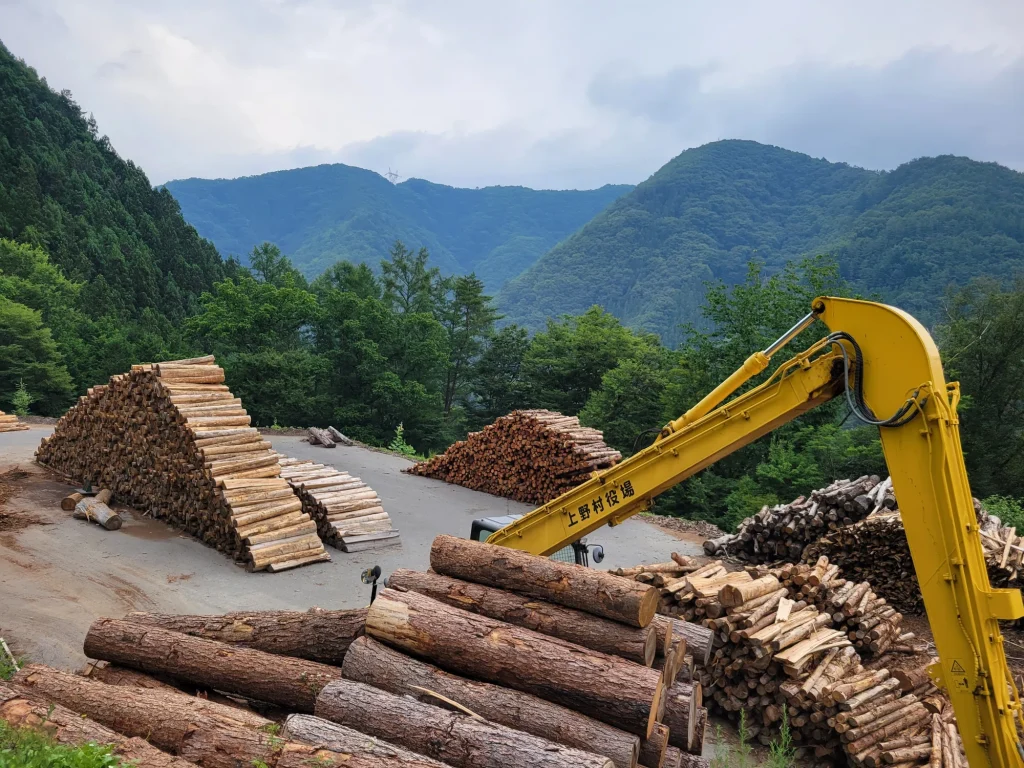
532,456
780,533
348,513
321,437
9,423
171,440
431,682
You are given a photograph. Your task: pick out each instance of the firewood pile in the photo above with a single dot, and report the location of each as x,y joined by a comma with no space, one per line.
9,423
532,456
793,638
424,677
171,440
347,513
871,624
780,533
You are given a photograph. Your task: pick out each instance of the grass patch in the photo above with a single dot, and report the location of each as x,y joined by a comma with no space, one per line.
780,751
25,748
7,669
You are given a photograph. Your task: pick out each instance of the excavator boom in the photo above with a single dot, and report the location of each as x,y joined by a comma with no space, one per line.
885,362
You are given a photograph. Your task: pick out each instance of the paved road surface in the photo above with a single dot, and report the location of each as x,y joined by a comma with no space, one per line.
56,578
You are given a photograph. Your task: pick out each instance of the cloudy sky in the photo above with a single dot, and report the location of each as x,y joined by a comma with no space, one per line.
545,93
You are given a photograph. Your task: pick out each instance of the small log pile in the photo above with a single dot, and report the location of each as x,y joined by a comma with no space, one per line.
171,440
95,510
347,512
532,456
320,437
780,533
9,423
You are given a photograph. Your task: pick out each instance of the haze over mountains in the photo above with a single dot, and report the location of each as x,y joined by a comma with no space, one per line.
326,213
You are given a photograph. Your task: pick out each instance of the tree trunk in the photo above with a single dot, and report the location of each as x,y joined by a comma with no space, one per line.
619,692
289,682
652,750
573,626
71,729
453,738
96,511
112,674
375,664
339,738
203,732
699,640
682,702
597,592
316,634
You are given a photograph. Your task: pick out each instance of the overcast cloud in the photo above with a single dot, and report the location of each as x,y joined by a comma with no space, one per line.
545,93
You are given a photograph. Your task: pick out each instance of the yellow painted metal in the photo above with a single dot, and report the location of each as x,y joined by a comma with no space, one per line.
752,366
627,488
924,456
926,462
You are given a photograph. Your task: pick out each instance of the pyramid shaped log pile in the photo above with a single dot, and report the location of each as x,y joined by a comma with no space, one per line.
532,456
9,423
170,439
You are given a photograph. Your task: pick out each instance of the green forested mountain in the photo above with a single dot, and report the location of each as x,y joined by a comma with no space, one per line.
96,268
327,213
904,235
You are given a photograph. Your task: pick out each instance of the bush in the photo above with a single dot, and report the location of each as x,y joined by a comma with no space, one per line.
1008,509
21,400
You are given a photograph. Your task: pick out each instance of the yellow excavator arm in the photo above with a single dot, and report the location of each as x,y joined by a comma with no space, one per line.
885,363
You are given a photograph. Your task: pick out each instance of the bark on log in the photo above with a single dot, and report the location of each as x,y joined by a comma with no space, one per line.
652,750
374,663
573,626
619,692
574,586
682,702
699,640
693,761
453,738
112,674
282,680
69,502
339,738
96,511
210,735
23,710
316,634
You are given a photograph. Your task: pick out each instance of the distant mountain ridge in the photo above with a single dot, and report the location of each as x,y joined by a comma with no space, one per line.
904,235
322,214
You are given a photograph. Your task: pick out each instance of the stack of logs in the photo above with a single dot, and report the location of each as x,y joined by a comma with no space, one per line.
787,639
871,624
171,440
425,676
9,423
347,513
327,438
531,456
780,533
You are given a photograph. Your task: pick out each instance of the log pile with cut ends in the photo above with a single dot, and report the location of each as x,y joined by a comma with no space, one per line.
429,683
532,456
780,533
170,439
876,550
348,513
9,423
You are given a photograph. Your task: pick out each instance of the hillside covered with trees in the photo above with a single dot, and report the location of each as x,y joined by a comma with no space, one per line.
328,213
96,267
904,235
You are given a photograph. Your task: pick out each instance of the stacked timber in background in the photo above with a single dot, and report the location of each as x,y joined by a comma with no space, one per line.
532,456
348,513
171,440
780,533
432,682
9,423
